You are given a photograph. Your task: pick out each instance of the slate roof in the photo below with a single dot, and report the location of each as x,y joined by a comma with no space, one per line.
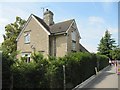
53,29
42,22
83,49
56,28
61,27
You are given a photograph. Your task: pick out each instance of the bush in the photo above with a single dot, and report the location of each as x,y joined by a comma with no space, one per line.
79,67
6,72
30,75
103,61
48,73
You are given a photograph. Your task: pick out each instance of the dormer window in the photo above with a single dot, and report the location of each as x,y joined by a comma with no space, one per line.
27,38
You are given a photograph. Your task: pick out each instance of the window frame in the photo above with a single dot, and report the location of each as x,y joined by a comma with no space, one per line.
26,54
27,38
73,45
73,35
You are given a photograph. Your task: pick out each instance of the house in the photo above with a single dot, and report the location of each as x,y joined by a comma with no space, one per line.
48,37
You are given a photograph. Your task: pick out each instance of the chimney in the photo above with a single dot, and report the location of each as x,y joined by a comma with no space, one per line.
48,17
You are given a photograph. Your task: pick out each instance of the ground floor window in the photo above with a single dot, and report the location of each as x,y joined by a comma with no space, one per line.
27,55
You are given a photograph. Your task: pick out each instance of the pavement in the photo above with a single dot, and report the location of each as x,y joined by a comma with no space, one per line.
106,79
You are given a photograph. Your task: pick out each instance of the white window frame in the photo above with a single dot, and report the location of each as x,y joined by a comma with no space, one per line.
24,53
27,38
28,56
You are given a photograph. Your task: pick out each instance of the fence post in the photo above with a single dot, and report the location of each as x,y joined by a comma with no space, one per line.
96,71
64,82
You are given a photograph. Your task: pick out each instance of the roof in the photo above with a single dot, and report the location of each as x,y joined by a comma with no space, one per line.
56,28
83,49
39,20
42,22
61,27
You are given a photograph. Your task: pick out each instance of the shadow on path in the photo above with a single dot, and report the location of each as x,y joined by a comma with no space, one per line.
100,78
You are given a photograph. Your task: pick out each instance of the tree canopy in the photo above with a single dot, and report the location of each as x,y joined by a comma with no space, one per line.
12,31
106,44
115,53
9,47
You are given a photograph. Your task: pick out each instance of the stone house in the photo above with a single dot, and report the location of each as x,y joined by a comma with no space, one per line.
47,37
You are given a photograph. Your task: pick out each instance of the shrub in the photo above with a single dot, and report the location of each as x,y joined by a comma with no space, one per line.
79,67
48,73
103,61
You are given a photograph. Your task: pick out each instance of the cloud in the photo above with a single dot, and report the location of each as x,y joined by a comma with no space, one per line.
113,30
13,12
59,0
92,29
8,15
3,21
20,1
95,20
91,47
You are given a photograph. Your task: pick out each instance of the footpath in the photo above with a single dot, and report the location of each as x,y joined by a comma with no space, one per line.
107,78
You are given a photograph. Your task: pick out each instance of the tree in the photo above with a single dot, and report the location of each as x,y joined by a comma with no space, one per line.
12,31
115,53
9,47
106,44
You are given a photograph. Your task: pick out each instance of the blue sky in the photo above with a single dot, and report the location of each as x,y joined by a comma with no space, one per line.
92,18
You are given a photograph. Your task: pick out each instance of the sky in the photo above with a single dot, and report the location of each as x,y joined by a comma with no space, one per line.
92,18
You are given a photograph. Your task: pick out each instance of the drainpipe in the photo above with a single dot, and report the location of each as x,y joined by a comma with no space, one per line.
54,45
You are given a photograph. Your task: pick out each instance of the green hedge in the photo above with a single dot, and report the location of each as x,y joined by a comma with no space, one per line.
103,61
78,67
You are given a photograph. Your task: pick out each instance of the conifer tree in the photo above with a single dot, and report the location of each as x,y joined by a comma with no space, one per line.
106,44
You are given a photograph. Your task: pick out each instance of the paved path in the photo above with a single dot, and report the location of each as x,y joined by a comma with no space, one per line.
107,79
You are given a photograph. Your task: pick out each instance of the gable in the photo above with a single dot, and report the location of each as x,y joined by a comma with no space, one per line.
73,25
58,28
40,23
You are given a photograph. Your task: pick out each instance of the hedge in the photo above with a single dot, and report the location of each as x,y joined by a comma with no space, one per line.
78,67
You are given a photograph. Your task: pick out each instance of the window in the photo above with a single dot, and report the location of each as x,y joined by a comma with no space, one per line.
27,38
28,60
73,45
27,55
73,35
